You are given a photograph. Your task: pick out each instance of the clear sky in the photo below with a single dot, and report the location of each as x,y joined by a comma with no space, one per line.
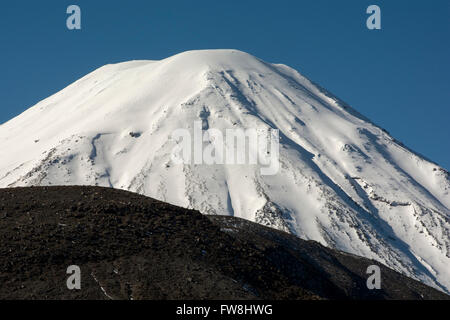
398,76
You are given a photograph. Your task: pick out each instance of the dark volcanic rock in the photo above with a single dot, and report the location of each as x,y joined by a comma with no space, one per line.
129,246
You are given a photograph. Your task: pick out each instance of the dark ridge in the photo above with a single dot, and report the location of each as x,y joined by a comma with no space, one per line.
130,246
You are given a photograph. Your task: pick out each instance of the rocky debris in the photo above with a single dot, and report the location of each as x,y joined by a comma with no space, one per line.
130,246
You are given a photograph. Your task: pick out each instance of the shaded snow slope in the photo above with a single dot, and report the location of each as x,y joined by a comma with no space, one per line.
343,181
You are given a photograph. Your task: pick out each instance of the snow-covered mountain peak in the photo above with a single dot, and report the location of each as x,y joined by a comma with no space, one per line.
343,181
215,58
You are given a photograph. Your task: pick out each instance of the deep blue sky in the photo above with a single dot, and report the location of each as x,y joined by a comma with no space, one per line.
398,76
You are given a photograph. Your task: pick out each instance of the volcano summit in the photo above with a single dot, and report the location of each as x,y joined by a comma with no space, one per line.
342,180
